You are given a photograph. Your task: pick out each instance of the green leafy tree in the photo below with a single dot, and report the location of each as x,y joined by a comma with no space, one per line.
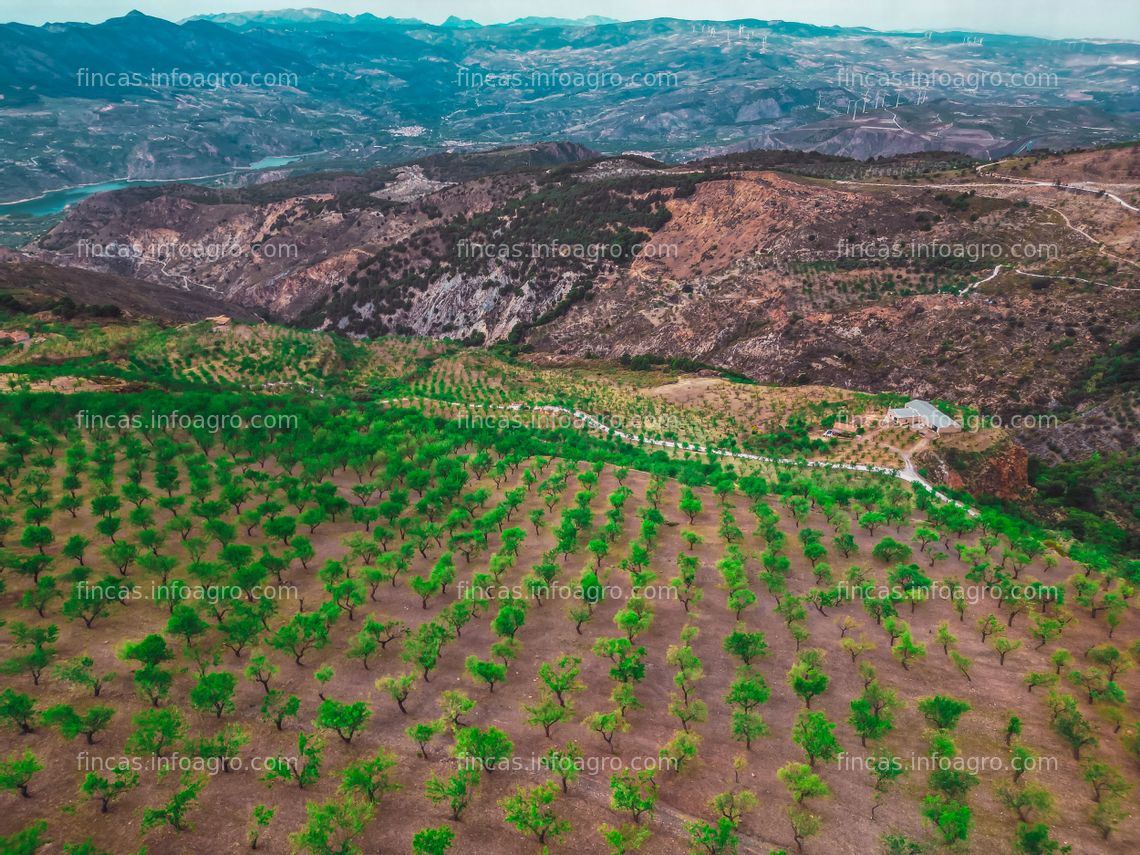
680,750
942,711
561,677
872,713
746,646
259,820
173,813
816,736
343,718
607,725
1105,780
565,763
802,782
155,731
432,841
530,810
806,676
623,839
804,823
718,839
1106,815
398,688
457,790
261,670
1075,730
483,749
18,710
890,551
952,819
485,672
214,693
332,827
733,804
546,713
422,734
633,792
370,778
304,768
106,790
1035,840
276,707
71,723
16,771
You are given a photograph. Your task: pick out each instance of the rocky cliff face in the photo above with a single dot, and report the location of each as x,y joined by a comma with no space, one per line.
285,248
986,463
756,272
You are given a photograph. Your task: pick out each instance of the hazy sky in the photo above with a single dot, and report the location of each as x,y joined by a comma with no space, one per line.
1059,19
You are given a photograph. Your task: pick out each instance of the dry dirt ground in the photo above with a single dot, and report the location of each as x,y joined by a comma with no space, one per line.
220,820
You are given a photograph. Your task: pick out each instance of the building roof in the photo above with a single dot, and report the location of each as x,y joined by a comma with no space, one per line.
903,413
931,414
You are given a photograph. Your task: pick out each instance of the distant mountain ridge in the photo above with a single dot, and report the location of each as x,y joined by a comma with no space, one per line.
322,18
350,91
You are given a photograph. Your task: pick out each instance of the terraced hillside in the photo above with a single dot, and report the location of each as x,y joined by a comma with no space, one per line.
659,402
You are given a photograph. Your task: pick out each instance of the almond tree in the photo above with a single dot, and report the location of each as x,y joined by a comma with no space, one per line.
607,725
422,733
16,771
259,820
454,705
71,723
806,677
261,670
816,736
107,790
304,769
485,748
872,713
561,677
623,839
398,688
432,841
547,713
680,750
370,778
343,718
885,770
456,790
485,672
633,792
942,711
173,813
529,810
155,731
565,763
332,827
214,693
276,706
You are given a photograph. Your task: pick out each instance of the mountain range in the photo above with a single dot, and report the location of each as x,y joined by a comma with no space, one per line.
214,94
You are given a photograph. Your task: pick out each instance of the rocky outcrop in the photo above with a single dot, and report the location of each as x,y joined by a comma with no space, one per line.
986,463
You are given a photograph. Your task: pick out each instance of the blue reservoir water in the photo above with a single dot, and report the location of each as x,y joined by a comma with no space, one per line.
56,201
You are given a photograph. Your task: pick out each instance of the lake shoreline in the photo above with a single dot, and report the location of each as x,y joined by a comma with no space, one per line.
270,162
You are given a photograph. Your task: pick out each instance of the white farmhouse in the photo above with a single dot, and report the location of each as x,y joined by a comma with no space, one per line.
923,414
